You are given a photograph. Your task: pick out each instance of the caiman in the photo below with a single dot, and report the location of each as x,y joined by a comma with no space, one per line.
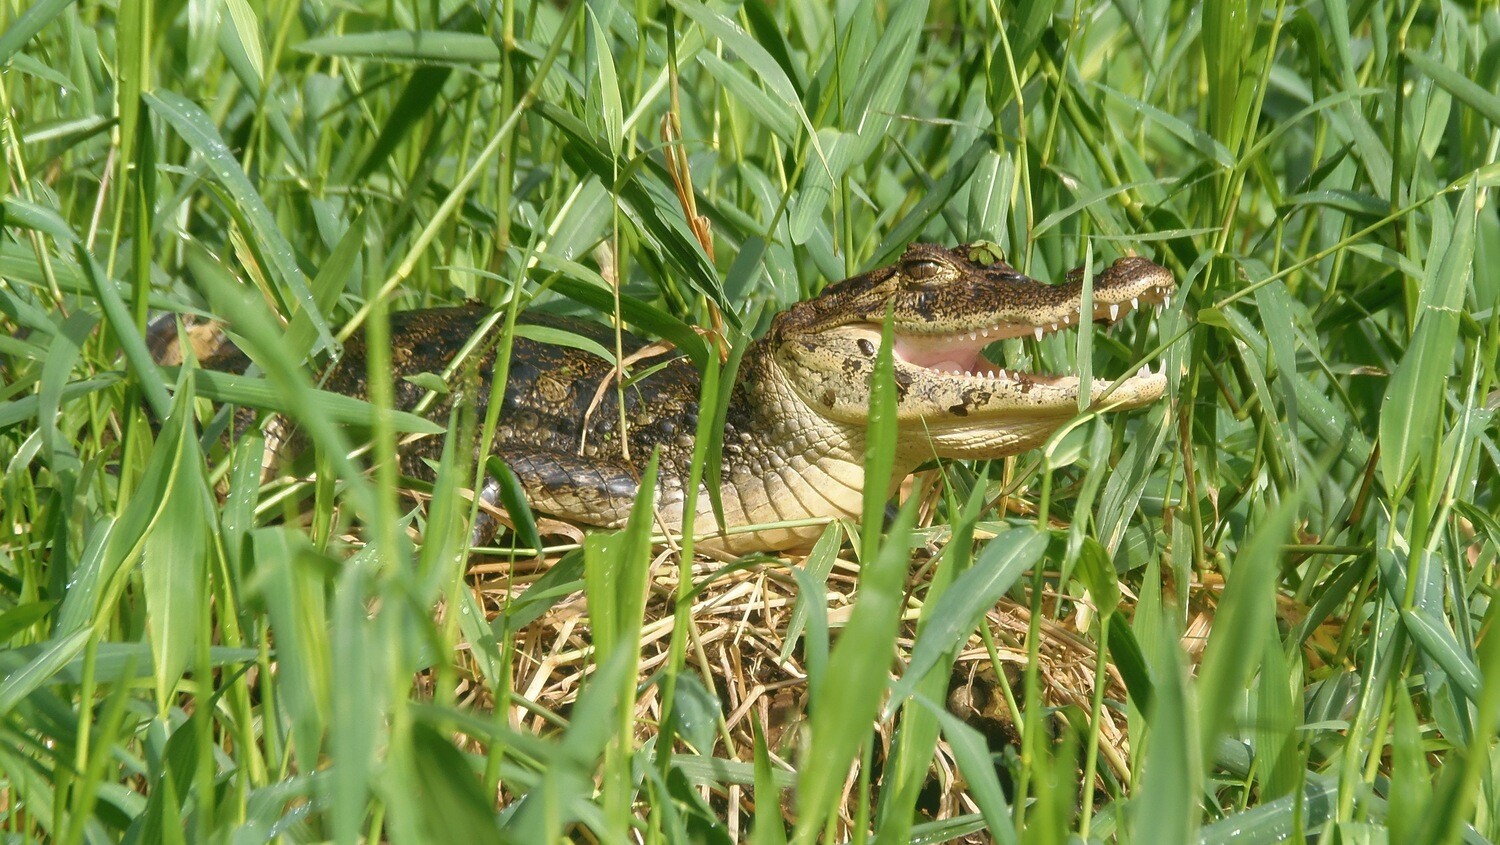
794,430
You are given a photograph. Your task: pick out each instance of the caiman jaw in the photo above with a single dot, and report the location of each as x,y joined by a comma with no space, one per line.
952,401
959,353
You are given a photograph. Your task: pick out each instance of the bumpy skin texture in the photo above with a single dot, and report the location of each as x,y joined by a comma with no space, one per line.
794,432
568,458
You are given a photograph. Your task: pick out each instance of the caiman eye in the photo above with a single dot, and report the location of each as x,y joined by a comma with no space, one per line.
923,269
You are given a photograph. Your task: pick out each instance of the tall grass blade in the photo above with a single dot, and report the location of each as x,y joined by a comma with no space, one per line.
176,558
769,828
846,698
1415,397
911,755
1165,803
604,96
49,660
973,756
880,441
1475,96
958,611
1231,656
27,25
195,127
454,808
819,564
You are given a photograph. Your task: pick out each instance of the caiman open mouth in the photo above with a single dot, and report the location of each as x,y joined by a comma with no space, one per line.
960,353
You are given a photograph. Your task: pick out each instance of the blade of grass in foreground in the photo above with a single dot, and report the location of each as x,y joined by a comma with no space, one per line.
1466,780
1413,401
615,574
912,751
454,808
846,699
815,570
51,657
960,608
294,593
566,791
1233,651
880,441
27,25
770,828
114,546
118,317
177,554
197,129
1164,807
359,704
973,755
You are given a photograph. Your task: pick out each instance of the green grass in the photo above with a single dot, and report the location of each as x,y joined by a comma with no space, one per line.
192,655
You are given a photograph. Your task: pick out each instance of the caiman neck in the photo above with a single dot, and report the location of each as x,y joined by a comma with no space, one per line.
784,462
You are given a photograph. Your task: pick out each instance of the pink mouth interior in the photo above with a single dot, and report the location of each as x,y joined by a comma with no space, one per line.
943,354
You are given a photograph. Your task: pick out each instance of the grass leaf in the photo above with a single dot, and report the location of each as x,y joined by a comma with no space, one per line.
27,25
1414,399
39,670
195,127
175,560
1002,561
846,698
459,48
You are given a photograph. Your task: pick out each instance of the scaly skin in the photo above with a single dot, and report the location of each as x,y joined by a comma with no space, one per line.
794,435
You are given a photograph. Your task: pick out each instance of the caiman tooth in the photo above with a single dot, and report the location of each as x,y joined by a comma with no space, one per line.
1038,332
1166,301
1144,371
1114,311
1135,302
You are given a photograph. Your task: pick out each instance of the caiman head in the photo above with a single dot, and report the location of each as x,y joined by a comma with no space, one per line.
946,305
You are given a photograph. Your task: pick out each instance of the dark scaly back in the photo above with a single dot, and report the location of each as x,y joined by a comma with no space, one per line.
549,390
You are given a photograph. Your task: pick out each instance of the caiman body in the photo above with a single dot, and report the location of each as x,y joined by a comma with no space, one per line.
794,433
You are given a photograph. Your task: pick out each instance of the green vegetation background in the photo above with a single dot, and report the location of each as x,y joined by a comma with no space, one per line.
190,657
